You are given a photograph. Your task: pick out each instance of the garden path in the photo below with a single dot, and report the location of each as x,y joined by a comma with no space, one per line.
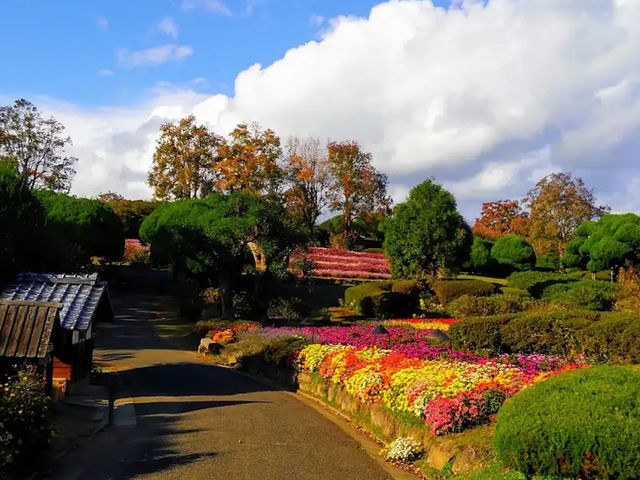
196,420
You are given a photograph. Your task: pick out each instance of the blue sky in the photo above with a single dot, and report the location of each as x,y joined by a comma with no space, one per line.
486,97
69,50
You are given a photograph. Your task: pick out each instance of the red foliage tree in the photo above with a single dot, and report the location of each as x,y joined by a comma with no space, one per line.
500,218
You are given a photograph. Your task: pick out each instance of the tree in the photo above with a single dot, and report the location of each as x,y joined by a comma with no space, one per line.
500,218
513,253
248,161
88,227
426,233
213,237
480,258
131,212
558,204
609,243
306,172
357,188
183,163
36,146
22,221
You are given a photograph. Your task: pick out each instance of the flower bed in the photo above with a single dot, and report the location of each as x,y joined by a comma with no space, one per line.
335,262
450,392
228,332
135,252
422,323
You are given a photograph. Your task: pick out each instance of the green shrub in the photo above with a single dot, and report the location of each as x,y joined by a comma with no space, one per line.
287,309
476,335
360,298
25,429
470,306
513,253
589,294
536,282
449,290
281,351
393,305
480,258
408,287
579,424
514,292
545,332
615,338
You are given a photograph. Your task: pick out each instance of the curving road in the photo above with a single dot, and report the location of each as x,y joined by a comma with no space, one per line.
193,420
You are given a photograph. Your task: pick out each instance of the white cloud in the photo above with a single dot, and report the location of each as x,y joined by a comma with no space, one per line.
199,81
103,23
106,72
484,98
213,6
168,27
153,56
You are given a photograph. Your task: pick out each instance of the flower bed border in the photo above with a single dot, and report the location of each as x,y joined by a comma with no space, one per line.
374,418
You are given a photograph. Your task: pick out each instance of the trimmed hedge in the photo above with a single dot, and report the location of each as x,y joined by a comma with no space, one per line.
536,282
408,287
579,424
448,290
599,336
470,306
360,298
589,294
393,305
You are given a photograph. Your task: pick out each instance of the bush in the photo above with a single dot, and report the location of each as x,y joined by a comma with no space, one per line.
287,309
554,333
579,424
480,258
513,253
615,338
470,306
514,292
360,298
283,350
393,305
476,335
536,282
408,287
449,290
589,294
25,429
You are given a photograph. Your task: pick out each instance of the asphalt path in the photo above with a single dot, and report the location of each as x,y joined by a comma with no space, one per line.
180,417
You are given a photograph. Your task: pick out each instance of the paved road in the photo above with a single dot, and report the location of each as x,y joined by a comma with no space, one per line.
196,420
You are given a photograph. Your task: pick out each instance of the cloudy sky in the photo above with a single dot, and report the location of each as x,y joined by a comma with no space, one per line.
485,97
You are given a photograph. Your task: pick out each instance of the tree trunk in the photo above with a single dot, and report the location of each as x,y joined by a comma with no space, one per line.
225,287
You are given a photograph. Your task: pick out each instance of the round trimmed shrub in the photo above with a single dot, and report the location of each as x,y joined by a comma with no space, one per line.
580,424
470,306
514,253
480,257
589,294
449,290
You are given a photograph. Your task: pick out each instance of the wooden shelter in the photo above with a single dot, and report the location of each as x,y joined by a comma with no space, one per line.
26,335
84,300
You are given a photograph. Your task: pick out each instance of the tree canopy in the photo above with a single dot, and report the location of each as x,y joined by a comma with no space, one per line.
357,189
131,212
558,204
500,218
426,233
35,146
607,243
89,227
183,163
514,253
215,236
22,220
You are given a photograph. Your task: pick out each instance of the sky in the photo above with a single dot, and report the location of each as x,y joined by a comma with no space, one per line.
484,96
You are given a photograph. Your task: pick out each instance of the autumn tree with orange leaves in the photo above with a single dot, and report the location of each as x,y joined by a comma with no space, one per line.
558,204
183,163
500,218
248,161
306,171
357,189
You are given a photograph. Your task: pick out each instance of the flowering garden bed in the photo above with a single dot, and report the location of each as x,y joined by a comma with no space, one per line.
339,263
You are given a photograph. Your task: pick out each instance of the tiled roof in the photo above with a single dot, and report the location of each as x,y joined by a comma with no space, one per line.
79,294
25,328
